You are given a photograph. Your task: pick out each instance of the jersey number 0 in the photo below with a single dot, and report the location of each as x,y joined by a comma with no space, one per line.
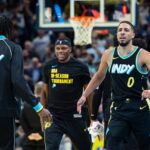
130,82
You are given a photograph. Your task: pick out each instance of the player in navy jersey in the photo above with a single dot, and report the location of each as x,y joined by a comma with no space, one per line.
65,78
127,65
12,85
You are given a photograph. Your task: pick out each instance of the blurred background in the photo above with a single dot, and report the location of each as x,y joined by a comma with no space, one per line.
37,24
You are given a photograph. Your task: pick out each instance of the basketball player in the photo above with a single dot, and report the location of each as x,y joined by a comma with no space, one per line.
129,112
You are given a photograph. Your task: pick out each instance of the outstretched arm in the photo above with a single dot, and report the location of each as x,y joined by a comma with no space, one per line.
22,89
96,80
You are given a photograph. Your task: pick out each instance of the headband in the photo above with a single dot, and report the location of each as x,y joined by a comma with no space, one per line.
63,42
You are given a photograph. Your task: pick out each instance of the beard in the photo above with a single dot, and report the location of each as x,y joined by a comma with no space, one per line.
124,44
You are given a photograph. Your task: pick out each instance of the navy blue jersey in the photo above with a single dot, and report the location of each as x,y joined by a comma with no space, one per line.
127,75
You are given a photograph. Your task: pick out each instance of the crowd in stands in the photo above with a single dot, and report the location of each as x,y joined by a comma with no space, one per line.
38,44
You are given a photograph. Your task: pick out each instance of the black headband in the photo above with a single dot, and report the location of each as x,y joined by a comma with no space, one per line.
63,42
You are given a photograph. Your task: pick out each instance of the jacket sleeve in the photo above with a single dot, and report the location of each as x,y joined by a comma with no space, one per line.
17,77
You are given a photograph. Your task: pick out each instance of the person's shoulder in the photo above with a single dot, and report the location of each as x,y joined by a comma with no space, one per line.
78,62
80,66
13,44
75,60
108,51
144,56
106,57
14,47
144,53
50,62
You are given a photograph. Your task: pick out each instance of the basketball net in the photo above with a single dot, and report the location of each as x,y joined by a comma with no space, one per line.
82,26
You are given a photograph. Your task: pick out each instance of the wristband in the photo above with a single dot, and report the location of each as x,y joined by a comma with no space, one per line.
38,107
93,117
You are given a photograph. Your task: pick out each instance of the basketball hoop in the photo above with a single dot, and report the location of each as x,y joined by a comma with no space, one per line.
82,26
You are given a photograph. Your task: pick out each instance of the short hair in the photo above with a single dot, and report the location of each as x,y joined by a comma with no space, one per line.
129,23
6,26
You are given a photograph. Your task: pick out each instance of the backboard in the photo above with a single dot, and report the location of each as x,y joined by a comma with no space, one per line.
55,14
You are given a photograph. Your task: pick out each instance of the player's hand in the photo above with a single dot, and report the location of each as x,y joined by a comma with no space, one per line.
92,121
35,137
80,103
45,117
146,94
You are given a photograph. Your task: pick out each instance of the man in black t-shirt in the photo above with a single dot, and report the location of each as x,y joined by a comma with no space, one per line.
65,78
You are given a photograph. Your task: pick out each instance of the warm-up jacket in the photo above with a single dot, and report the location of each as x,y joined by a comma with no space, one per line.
12,83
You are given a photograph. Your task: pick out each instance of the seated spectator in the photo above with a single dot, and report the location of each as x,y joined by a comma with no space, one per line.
33,139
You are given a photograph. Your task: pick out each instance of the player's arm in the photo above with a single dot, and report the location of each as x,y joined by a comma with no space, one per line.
96,79
89,101
21,88
99,75
144,59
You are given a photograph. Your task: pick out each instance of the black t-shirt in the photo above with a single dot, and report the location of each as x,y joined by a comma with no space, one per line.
65,82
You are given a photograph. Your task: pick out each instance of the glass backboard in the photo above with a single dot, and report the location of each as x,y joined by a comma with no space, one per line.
55,14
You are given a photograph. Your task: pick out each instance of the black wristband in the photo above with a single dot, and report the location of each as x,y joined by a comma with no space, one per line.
93,117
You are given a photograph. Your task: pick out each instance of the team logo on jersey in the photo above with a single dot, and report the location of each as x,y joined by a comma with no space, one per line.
54,70
53,85
54,66
122,68
141,108
115,58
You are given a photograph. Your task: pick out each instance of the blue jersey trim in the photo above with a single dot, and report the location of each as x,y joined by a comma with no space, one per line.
130,54
139,67
2,37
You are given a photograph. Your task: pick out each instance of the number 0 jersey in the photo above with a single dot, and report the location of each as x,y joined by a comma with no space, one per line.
127,75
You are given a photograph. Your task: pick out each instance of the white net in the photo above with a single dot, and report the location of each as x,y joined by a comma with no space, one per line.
83,27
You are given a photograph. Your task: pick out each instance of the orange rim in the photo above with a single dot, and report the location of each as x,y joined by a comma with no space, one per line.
86,21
